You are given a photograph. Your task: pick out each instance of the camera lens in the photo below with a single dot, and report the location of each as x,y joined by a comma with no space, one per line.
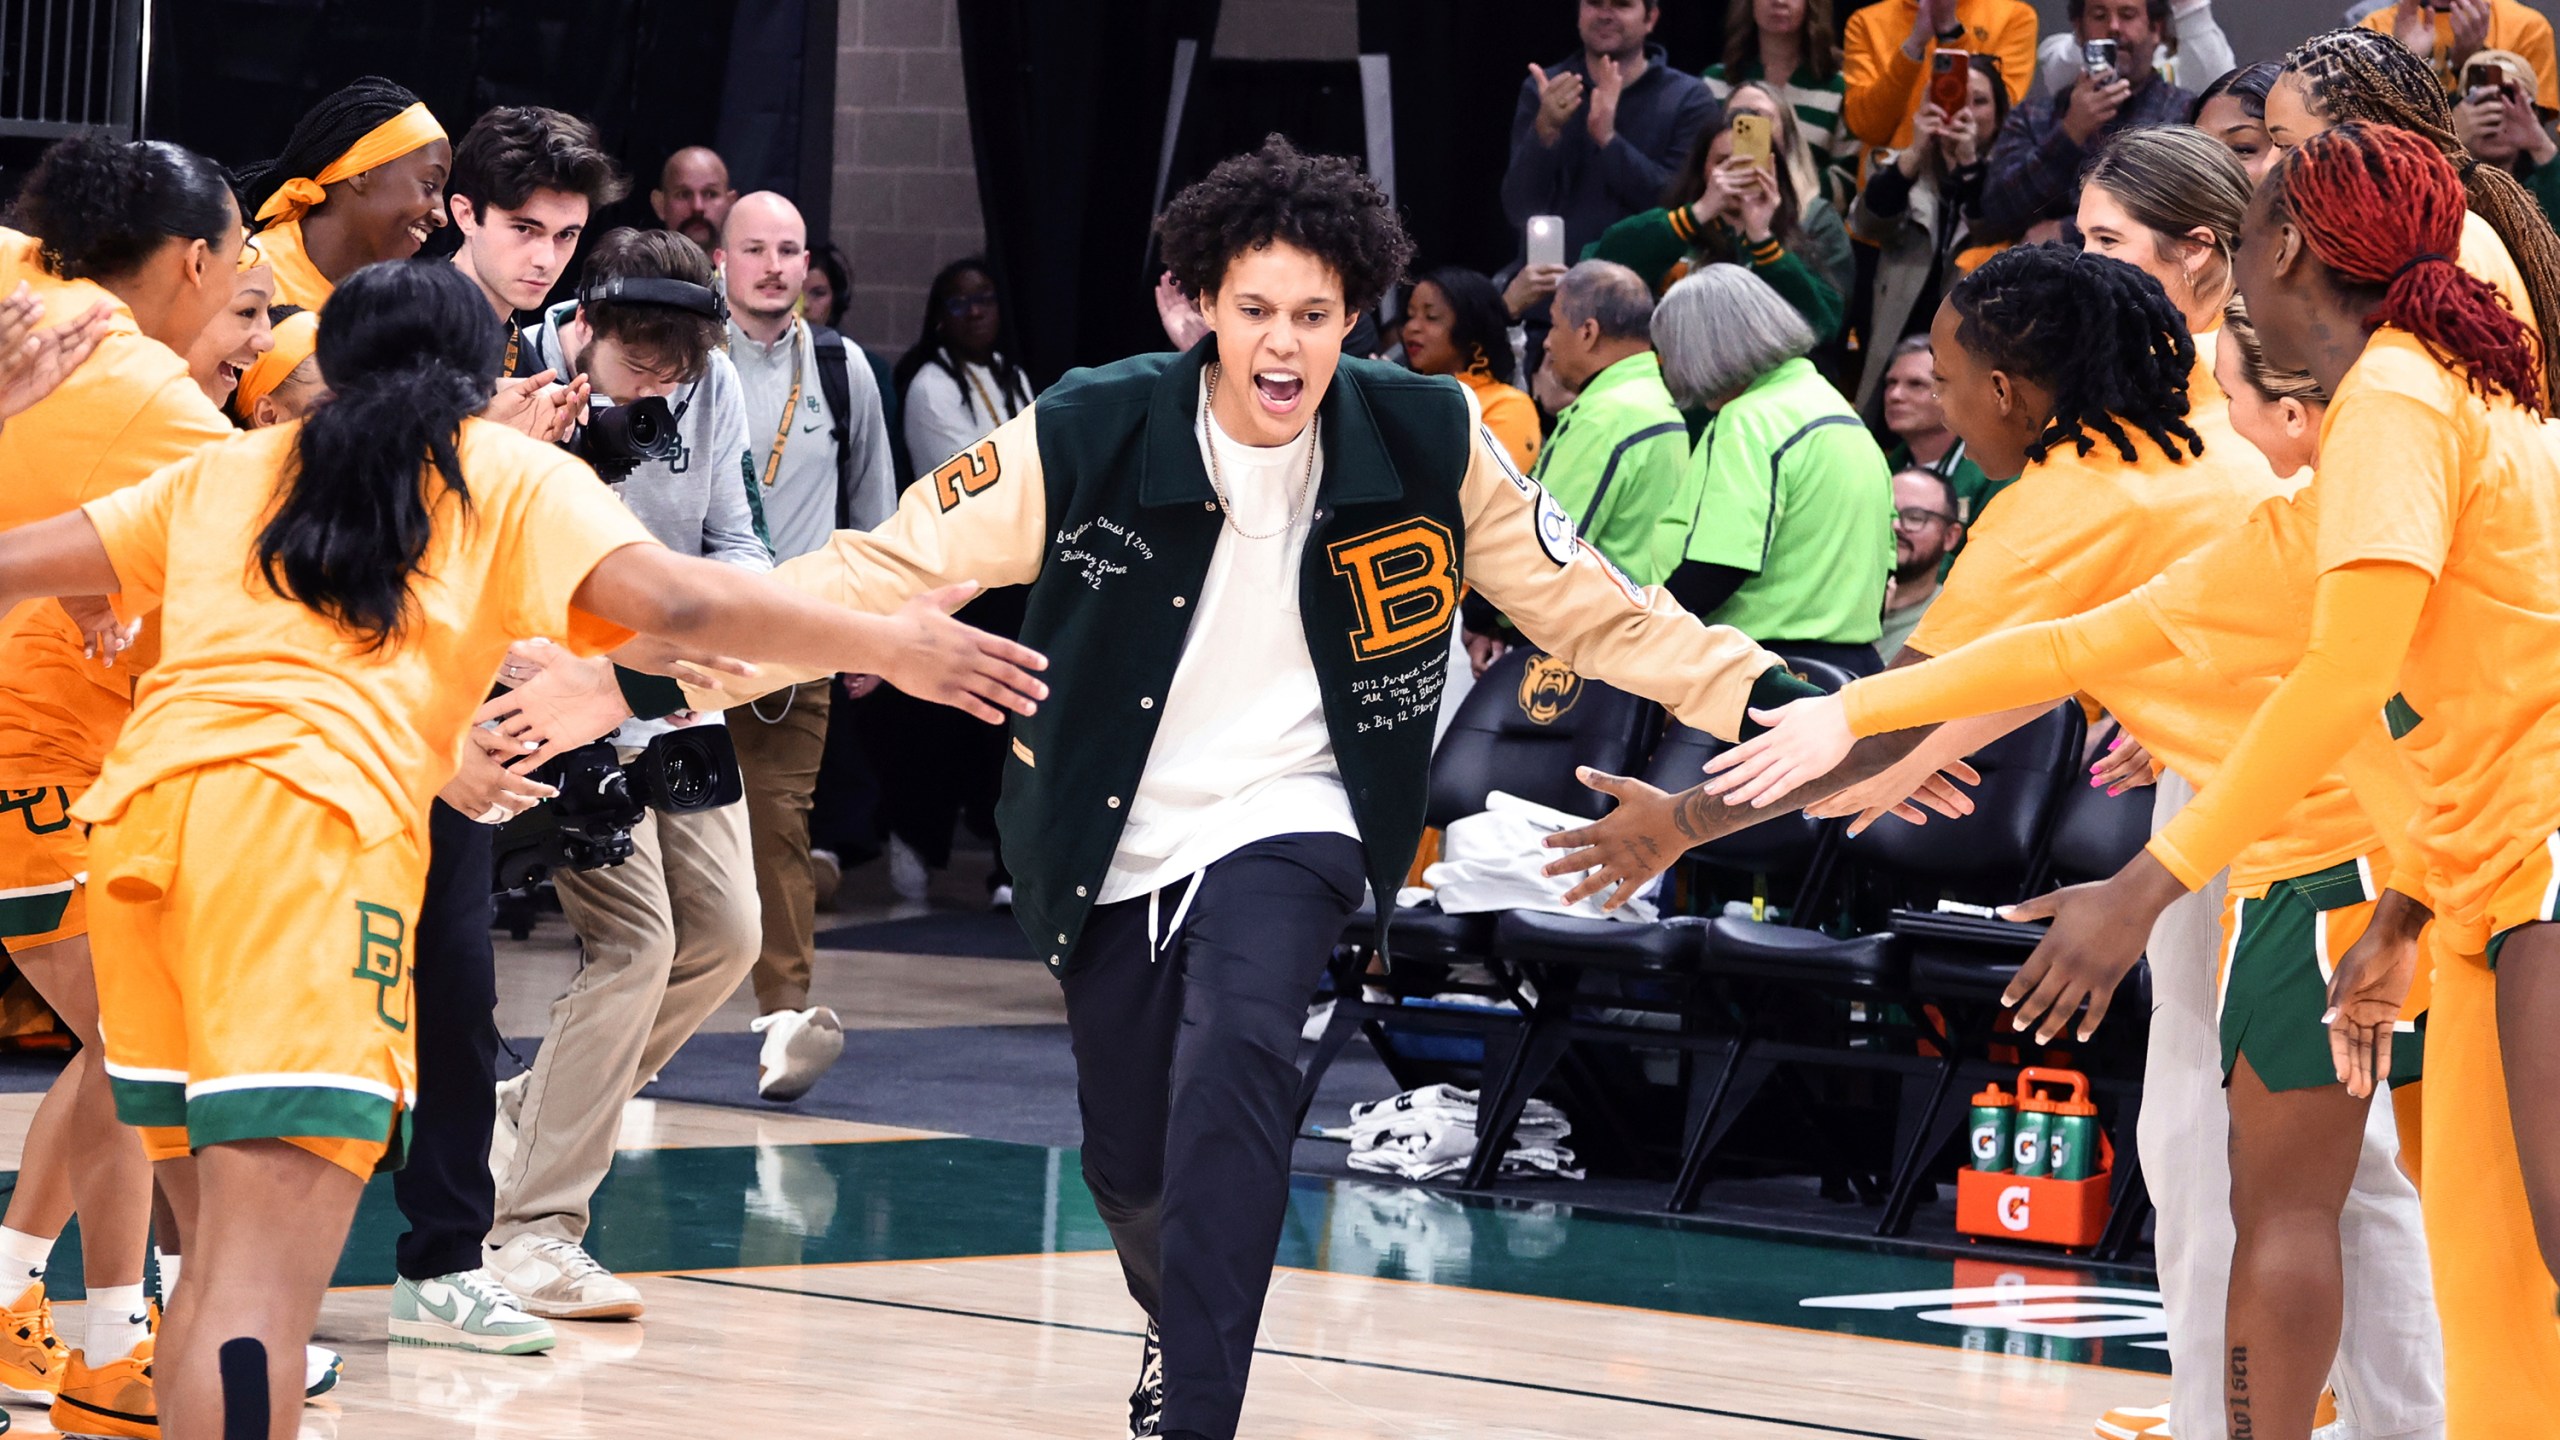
644,429
688,782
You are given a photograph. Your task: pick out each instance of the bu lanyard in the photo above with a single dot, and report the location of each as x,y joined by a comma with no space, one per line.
790,407
515,338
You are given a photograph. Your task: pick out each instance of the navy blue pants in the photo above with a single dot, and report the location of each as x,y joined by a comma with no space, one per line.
1186,1070
445,1190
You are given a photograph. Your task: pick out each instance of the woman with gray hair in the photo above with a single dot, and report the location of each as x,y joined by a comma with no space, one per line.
1784,528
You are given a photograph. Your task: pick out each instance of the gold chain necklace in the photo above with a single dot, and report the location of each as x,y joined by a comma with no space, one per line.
1217,482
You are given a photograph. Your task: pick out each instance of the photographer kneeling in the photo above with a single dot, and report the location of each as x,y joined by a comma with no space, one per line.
669,932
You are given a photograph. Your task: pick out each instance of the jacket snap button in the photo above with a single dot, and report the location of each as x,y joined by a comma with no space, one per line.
1062,939
1053,959
1208,504
1179,602
1079,892
1146,702
1113,802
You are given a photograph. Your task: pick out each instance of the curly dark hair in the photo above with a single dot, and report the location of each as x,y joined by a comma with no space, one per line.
2098,333
1320,203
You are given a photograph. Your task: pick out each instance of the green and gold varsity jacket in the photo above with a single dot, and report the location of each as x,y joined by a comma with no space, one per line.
1096,498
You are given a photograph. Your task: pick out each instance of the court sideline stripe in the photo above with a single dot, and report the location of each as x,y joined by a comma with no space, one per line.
1531,1385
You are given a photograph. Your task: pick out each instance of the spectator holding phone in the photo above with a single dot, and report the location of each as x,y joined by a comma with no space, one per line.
2498,123
1886,57
2452,33
2036,163
1731,205
1920,204
1791,45
2196,54
1596,134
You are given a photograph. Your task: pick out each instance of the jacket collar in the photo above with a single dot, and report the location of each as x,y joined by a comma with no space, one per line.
1357,468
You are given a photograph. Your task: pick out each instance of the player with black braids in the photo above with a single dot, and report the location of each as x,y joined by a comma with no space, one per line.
361,179
2358,74
2069,348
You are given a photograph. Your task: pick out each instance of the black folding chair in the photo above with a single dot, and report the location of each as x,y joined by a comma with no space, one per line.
1524,728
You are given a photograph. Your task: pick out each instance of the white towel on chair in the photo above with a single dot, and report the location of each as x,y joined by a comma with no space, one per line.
1492,860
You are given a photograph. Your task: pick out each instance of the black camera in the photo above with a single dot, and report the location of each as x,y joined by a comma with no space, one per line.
587,826
618,439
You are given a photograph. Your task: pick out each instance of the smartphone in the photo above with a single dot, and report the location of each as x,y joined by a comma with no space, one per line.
2098,59
1950,80
1751,137
1546,240
2482,75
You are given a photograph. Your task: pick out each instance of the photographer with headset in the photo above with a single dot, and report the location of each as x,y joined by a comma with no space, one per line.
669,932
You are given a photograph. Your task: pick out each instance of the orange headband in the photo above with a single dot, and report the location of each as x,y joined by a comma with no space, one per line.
409,130
296,338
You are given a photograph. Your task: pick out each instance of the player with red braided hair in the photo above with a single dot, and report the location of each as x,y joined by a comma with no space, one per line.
2414,581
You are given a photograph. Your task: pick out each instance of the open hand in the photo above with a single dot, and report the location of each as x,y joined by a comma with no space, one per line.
546,415
2125,766
2470,31
484,788
937,658
1183,324
34,361
1607,83
1624,850
2366,992
1559,95
1806,740
558,701
2098,933
102,636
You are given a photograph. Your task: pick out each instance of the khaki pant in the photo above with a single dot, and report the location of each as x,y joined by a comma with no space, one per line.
668,934
780,760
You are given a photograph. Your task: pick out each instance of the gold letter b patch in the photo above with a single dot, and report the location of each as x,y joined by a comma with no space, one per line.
1405,581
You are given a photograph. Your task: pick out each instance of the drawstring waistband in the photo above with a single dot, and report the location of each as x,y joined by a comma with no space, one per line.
1155,946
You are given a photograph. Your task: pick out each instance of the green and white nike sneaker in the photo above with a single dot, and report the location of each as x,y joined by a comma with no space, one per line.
467,1310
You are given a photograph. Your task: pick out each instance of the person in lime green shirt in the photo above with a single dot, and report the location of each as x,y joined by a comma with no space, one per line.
1620,451
1787,533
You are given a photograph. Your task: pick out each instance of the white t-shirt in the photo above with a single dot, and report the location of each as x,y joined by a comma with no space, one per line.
1241,753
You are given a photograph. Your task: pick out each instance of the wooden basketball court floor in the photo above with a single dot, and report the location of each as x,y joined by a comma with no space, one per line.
816,1277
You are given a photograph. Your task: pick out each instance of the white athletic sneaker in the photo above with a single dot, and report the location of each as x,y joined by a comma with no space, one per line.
826,874
799,1045
468,1310
907,874
558,1279
321,1371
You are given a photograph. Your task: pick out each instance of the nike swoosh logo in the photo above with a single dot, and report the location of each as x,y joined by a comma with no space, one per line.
449,1312
811,429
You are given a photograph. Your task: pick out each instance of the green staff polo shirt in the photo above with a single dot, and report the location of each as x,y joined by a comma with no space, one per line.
1617,462
1788,485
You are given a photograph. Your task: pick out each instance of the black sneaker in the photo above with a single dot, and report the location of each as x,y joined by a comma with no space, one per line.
1146,1403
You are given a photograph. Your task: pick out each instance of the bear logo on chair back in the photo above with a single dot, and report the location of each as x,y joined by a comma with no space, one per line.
1548,688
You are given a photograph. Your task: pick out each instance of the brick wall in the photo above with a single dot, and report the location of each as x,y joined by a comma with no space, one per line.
906,185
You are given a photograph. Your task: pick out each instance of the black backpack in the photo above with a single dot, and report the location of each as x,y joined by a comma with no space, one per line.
834,354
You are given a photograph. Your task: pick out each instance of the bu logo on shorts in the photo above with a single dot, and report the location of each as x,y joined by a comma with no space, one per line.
381,933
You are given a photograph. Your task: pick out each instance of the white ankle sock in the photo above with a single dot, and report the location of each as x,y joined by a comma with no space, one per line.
169,1262
116,1320
23,1258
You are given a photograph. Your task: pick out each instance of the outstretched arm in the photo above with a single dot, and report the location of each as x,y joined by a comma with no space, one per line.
60,556
707,605
1522,552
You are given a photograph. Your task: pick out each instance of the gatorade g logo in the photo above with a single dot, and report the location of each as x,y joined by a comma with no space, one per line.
1404,580
2013,1208
967,473
1548,688
2027,1148
380,934
1986,1146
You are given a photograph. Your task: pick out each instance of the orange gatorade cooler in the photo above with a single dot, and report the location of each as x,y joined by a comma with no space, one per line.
2031,1202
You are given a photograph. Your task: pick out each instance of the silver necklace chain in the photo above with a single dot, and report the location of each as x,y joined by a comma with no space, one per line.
1217,482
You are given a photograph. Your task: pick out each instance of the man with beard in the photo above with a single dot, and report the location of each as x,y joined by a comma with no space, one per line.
693,195
1925,530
